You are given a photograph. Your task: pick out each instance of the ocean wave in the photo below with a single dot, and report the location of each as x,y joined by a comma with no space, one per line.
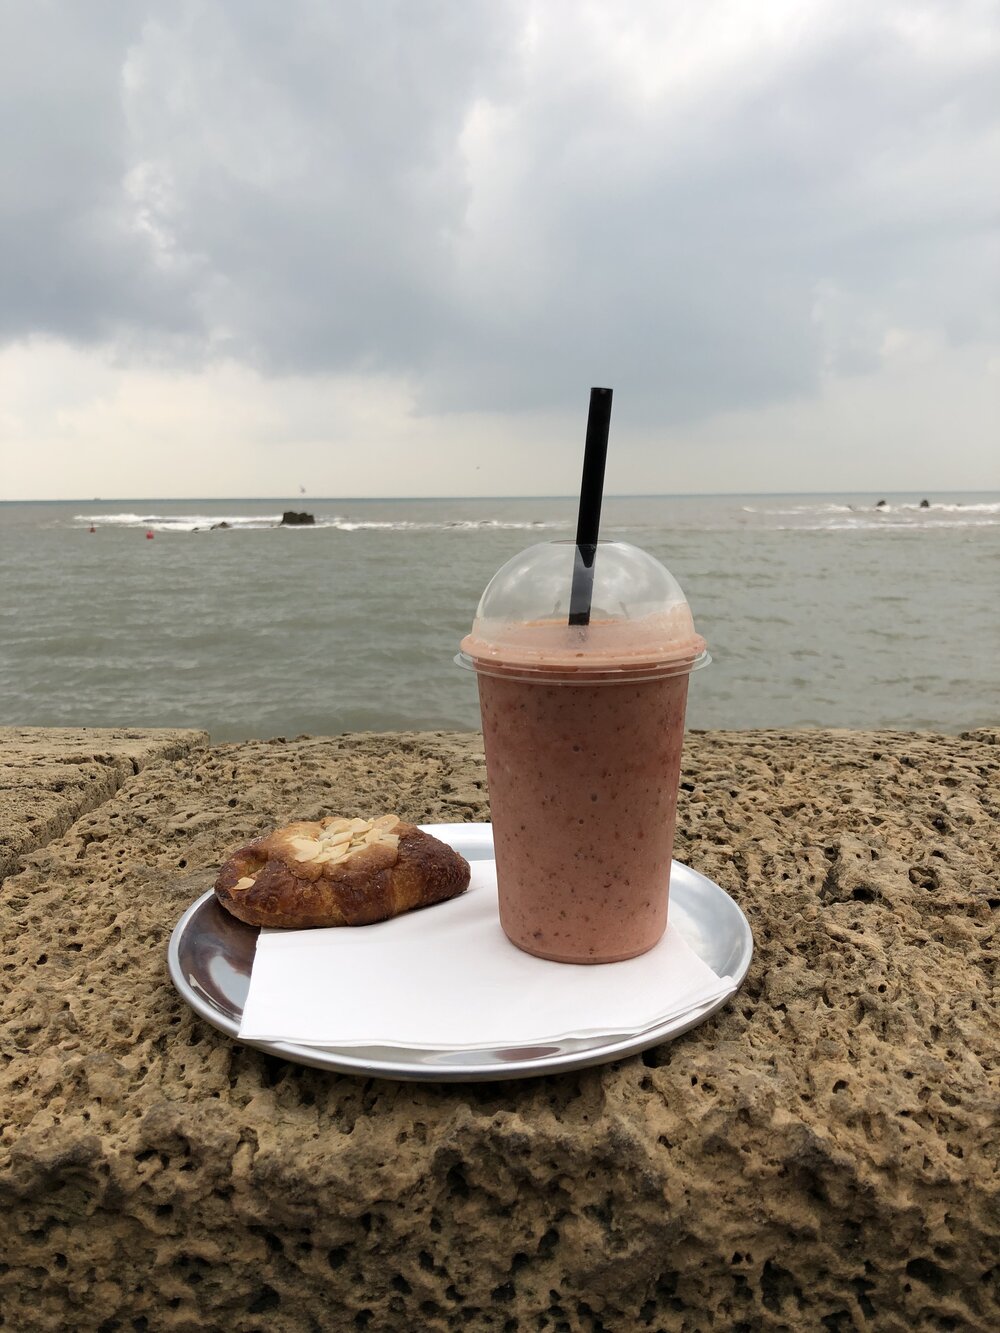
801,509
467,525
178,522
871,524
887,508
951,508
910,516
261,522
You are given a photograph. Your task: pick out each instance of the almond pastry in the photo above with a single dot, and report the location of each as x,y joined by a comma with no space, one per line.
339,872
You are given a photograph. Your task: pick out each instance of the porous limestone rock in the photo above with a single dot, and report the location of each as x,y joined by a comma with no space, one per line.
49,777
820,1155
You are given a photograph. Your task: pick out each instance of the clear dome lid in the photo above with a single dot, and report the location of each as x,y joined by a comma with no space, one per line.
640,624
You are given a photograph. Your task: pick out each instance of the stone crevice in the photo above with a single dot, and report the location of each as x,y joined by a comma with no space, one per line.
49,778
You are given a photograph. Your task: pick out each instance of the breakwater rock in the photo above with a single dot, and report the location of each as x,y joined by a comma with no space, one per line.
822,1154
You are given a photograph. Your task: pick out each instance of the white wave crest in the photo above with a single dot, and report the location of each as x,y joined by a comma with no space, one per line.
257,522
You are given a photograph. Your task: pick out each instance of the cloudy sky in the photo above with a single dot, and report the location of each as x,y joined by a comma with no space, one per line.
386,248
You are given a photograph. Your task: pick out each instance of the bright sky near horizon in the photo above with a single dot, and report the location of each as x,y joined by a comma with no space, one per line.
386,249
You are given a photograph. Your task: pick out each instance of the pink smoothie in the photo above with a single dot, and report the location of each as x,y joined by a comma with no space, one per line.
583,793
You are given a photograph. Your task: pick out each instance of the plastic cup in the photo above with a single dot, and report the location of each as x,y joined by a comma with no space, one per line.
583,727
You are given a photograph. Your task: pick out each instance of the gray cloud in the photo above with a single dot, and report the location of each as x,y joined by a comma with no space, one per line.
410,187
72,263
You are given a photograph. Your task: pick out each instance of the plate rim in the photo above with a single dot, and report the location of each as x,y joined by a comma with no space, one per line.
405,1068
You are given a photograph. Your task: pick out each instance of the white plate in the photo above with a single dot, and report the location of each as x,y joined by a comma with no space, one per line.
211,956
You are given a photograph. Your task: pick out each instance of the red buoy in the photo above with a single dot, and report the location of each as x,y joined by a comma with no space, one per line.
92,528
149,536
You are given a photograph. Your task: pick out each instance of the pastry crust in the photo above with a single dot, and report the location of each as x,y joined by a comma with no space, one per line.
339,873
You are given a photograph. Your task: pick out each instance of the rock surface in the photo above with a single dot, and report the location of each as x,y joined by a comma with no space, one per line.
49,777
820,1155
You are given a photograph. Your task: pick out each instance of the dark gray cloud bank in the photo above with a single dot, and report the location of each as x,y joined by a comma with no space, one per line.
488,198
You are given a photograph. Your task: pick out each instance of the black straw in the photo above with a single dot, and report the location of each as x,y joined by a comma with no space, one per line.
588,523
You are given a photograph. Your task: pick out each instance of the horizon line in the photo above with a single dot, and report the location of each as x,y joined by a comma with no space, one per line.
405,499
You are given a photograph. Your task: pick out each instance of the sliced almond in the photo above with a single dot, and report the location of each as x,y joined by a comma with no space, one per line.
360,825
305,849
338,839
386,822
336,826
326,859
241,885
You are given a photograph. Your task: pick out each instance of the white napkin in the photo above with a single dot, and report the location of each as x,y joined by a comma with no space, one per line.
447,978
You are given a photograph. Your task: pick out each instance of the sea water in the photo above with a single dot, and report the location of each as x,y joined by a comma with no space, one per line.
818,610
